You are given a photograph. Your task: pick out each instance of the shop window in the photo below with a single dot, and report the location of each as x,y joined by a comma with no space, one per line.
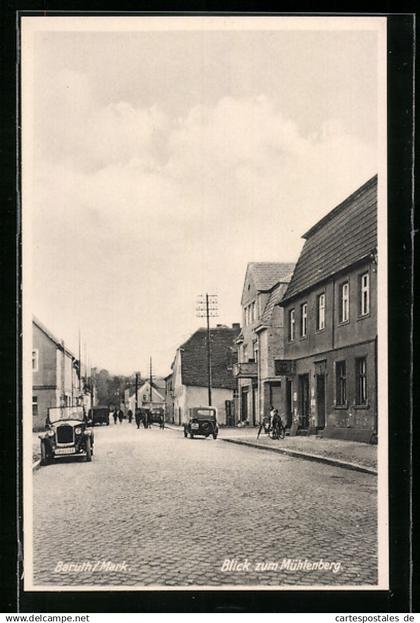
361,381
320,324
343,306
364,305
340,384
303,319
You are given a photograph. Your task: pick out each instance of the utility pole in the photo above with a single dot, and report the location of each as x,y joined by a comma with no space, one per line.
207,306
150,380
80,366
137,391
63,372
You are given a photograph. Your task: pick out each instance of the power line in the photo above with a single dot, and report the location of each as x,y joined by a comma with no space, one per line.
207,307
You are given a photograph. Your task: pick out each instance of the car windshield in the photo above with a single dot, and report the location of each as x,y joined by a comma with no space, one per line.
202,414
56,414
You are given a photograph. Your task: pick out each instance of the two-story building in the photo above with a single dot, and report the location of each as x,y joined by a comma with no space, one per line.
330,306
261,340
55,375
189,382
146,396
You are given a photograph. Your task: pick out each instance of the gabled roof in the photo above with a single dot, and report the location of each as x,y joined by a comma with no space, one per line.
51,336
343,237
265,275
146,383
194,358
276,296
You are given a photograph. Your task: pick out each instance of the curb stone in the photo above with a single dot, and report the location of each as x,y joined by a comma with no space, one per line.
309,457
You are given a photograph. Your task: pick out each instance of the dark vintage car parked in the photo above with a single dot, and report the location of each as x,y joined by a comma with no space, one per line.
99,415
68,433
157,416
201,421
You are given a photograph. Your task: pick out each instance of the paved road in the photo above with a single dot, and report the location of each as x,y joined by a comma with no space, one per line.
154,508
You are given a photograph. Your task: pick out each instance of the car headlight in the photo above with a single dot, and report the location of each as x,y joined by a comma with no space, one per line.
50,433
78,430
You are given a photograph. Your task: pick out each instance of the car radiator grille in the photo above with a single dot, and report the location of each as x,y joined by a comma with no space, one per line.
65,434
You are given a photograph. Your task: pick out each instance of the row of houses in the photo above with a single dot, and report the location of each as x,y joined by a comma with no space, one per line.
308,342
56,376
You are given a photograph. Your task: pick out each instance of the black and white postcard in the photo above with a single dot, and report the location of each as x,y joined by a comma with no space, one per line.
205,350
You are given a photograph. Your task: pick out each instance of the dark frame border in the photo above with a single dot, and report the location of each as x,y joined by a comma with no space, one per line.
400,188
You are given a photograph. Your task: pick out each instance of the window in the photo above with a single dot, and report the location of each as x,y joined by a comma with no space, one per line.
303,319
245,353
34,406
343,308
254,315
255,350
361,381
364,294
292,323
320,324
35,360
340,384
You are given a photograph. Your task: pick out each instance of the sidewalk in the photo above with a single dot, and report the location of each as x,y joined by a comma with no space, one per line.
347,454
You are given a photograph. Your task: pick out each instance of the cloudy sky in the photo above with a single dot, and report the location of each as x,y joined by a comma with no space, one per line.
163,162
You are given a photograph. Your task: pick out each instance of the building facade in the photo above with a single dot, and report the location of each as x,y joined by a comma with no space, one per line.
146,396
169,402
261,340
189,378
330,349
55,375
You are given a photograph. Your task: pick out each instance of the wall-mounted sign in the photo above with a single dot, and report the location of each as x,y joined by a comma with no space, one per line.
284,367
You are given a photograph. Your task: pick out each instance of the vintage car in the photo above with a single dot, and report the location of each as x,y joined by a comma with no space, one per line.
201,421
68,433
157,416
99,415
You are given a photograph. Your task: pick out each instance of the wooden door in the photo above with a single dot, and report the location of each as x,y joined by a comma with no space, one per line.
304,400
320,400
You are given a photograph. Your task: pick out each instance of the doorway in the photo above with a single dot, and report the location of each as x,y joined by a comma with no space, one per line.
289,403
254,405
244,404
304,401
320,400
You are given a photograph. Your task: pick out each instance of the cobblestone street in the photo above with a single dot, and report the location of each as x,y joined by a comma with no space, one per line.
164,510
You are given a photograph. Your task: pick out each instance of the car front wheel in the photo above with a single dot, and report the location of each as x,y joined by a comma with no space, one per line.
214,435
88,451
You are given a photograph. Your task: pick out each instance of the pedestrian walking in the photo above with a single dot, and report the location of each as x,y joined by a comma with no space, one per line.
115,416
120,415
138,417
145,418
130,416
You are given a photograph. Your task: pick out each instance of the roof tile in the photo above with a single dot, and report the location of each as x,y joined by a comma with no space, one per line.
345,235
